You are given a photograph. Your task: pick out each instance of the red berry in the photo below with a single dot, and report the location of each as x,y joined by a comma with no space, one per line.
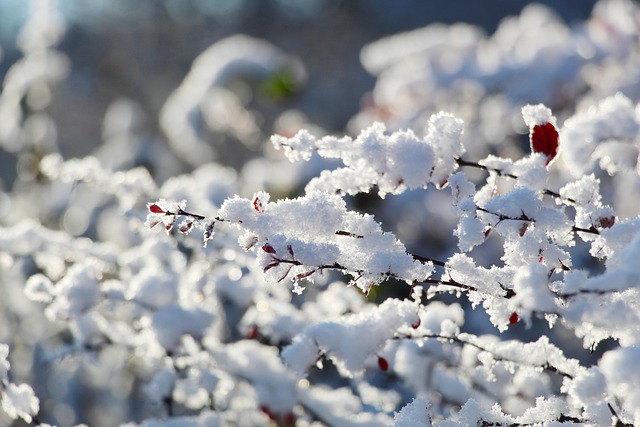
544,139
416,324
513,319
383,364
156,209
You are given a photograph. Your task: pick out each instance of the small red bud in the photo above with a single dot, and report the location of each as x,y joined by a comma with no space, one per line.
150,223
487,232
416,324
265,410
268,248
442,184
513,319
270,266
289,419
523,229
257,205
252,332
156,209
607,221
186,226
383,364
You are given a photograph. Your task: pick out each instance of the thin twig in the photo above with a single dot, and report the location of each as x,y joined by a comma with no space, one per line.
500,172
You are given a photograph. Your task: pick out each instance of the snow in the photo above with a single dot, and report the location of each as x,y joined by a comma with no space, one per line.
414,414
171,322
531,285
75,293
39,288
613,119
153,288
274,385
394,163
316,232
350,341
619,368
19,401
341,407
204,419
537,115
128,186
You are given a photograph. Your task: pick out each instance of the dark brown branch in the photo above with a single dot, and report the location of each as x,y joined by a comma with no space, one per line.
619,422
192,215
425,260
349,234
526,218
476,165
570,295
449,282
546,366
497,357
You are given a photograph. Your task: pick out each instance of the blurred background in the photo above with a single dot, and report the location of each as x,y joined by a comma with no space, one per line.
172,86
142,50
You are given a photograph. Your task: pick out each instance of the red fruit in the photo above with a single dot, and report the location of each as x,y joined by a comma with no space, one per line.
513,319
156,209
416,324
383,364
544,139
